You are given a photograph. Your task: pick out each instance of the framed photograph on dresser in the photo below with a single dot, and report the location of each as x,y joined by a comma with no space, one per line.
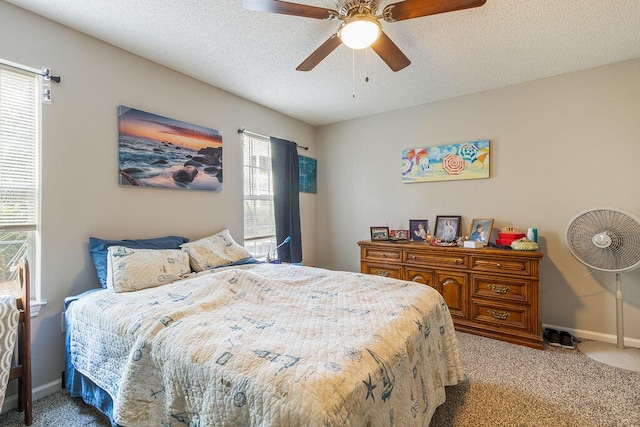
481,230
447,227
379,234
399,235
418,229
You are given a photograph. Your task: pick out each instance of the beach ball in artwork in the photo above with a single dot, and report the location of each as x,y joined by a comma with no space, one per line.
453,164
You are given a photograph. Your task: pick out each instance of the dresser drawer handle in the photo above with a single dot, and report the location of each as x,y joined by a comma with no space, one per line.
499,289
488,264
382,273
458,261
502,315
412,257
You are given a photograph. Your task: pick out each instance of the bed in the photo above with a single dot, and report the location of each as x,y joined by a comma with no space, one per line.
263,344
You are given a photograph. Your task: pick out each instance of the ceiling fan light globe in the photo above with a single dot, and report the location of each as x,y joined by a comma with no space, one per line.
360,32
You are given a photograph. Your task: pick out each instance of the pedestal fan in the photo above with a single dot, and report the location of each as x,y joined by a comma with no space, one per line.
608,239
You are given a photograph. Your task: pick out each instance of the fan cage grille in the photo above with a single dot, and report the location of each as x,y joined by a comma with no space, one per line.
622,227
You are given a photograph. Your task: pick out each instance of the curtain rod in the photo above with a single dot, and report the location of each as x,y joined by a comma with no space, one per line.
45,72
242,130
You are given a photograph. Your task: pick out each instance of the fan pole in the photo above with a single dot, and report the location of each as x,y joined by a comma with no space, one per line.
619,315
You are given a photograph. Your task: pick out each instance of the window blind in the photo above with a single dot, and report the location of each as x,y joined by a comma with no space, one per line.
259,214
258,189
19,133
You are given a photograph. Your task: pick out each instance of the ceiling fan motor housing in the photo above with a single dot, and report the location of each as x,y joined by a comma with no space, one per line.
352,7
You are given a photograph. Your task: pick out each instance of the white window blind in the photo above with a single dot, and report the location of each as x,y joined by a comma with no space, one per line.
19,134
259,220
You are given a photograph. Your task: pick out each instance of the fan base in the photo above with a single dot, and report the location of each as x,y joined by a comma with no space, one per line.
609,354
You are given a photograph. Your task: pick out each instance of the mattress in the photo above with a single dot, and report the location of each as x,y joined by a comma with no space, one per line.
265,344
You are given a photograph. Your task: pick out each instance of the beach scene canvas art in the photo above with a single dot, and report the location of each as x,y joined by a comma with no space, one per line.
156,151
468,160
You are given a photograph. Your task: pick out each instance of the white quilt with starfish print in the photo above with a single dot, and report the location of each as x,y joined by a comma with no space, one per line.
264,344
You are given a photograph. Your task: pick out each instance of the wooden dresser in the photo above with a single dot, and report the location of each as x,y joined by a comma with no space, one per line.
490,292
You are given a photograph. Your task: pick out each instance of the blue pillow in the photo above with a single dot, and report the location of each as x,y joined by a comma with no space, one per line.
98,249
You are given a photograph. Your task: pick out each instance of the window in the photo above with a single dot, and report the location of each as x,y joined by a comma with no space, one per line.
19,170
259,222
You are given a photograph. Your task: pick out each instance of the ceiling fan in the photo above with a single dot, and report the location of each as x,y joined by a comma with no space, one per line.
360,27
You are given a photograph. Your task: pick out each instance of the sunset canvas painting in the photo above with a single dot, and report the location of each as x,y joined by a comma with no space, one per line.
156,151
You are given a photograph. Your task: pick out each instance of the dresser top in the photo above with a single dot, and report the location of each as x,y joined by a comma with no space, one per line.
409,245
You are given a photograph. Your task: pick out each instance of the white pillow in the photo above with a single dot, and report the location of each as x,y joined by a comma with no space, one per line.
134,269
214,251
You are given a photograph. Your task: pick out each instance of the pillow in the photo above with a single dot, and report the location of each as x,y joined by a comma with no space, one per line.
134,269
214,251
98,249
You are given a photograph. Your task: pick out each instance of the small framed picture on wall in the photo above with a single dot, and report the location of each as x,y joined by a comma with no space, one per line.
418,229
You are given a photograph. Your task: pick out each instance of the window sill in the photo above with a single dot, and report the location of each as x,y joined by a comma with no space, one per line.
36,306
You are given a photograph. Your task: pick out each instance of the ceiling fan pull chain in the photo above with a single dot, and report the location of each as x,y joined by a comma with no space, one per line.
353,73
366,65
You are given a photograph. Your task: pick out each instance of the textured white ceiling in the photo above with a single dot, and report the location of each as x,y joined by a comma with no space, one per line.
254,54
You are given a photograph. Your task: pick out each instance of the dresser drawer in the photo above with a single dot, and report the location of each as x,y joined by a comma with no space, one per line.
504,265
382,254
500,288
448,259
502,316
392,271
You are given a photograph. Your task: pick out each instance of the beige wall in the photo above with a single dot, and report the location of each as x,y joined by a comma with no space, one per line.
81,197
559,146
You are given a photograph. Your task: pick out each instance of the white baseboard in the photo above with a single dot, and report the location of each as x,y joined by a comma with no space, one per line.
11,402
596,336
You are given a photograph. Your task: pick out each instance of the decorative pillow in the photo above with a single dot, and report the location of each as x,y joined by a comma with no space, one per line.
214,251
98,249
134,269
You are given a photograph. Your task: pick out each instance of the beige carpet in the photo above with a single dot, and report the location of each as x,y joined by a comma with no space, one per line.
506,385
510,385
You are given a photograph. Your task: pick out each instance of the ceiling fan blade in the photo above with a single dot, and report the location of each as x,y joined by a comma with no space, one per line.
390,53
286,8
408,9
320,53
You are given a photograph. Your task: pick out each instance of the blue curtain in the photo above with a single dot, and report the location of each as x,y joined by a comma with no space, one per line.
286,197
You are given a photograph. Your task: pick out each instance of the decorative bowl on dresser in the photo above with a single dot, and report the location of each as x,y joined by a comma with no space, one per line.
490,292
